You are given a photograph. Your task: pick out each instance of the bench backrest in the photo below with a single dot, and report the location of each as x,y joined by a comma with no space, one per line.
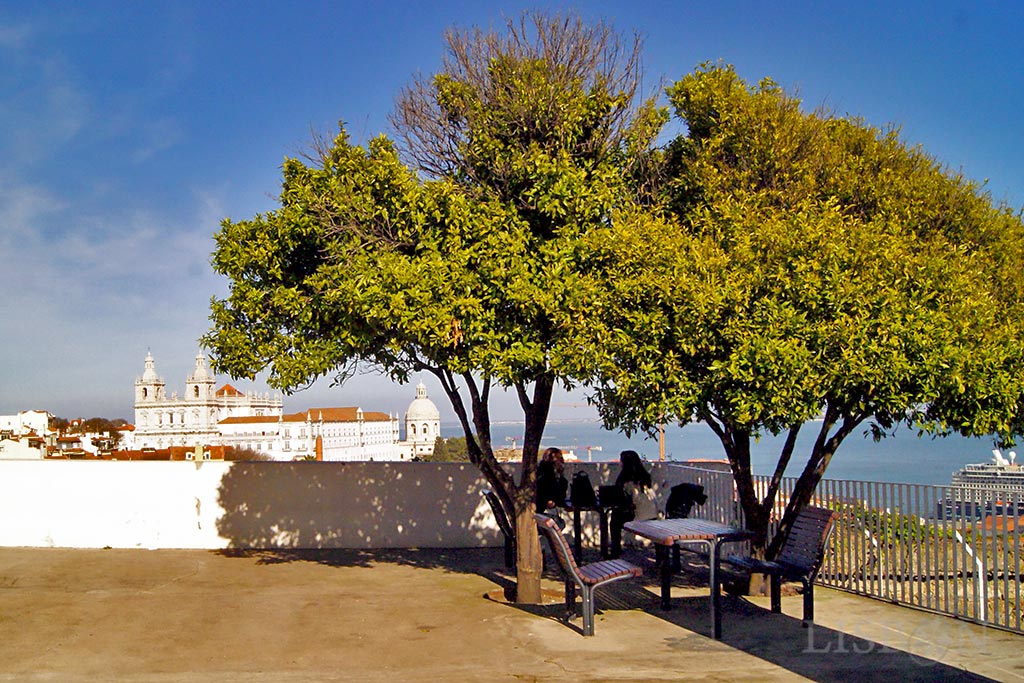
559,546
805,547
499,513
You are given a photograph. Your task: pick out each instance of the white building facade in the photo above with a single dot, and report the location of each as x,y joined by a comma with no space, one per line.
23,448
25,423
162,421
330,434
227,417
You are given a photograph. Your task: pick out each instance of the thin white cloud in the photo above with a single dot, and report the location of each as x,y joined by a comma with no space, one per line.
155,137
88,300
22,207
13,37
44,106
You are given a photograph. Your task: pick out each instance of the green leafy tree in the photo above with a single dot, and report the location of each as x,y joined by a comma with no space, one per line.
807,266
237,454
452,449
96,425
463,262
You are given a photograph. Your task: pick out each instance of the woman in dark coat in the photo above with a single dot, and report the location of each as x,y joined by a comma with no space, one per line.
633,477
552,486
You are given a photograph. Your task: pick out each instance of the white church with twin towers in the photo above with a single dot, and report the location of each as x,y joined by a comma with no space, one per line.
223,416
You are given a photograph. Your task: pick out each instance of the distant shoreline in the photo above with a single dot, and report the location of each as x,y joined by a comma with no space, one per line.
902,458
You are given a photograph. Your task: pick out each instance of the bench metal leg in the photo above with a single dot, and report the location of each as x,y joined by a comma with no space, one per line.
808,602
716,594
603,531
588,610
577,528
510,552
661,559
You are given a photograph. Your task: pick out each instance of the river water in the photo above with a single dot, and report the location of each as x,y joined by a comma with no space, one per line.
904,457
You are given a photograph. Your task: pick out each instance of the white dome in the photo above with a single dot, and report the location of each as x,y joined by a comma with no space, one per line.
149,374
422,408
200,373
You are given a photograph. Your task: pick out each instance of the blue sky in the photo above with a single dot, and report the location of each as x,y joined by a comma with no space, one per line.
128,131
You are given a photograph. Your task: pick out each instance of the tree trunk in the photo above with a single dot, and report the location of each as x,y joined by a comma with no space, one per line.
757,522
529,561
518,501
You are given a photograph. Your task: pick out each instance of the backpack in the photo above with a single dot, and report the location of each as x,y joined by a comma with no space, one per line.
581,492
682,498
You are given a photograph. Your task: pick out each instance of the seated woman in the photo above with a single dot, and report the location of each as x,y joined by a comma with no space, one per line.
552,485
635,481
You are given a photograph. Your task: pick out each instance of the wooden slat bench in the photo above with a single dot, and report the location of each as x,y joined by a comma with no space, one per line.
588,577
800,559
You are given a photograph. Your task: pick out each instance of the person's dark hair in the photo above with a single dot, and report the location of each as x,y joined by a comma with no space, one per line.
633,470
555,457
545,468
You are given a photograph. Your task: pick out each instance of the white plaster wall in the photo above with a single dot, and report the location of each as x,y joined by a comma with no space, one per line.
214,504
19,449
26,421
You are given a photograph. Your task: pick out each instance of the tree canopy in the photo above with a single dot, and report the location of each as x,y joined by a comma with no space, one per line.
464,262
768,269
807,266
452,449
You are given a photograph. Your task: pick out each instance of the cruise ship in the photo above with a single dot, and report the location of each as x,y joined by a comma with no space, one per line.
983,489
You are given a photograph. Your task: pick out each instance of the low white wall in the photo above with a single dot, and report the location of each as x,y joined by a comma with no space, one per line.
89,504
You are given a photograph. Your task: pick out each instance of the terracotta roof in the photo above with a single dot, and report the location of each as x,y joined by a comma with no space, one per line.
162,454
341,415
249,419
228,390
1000,522
315,415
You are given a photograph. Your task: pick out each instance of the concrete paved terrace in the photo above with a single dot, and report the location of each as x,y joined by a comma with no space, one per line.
436,614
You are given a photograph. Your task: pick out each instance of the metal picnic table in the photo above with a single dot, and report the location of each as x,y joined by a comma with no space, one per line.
665,533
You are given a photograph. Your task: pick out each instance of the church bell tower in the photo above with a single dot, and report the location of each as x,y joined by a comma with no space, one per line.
150,387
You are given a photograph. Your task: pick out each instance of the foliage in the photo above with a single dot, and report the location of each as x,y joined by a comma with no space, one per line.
237,454
807,266
92,425
452,449
891,527
466,265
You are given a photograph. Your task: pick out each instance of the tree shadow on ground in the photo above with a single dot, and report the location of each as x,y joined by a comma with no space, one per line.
816,652
487,563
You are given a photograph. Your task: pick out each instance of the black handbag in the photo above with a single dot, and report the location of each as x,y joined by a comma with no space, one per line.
682,498
581,492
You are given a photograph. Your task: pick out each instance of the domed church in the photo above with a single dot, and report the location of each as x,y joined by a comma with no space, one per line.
227,417
422,423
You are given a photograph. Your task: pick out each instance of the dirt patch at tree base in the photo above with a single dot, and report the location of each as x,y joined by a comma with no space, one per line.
507,596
